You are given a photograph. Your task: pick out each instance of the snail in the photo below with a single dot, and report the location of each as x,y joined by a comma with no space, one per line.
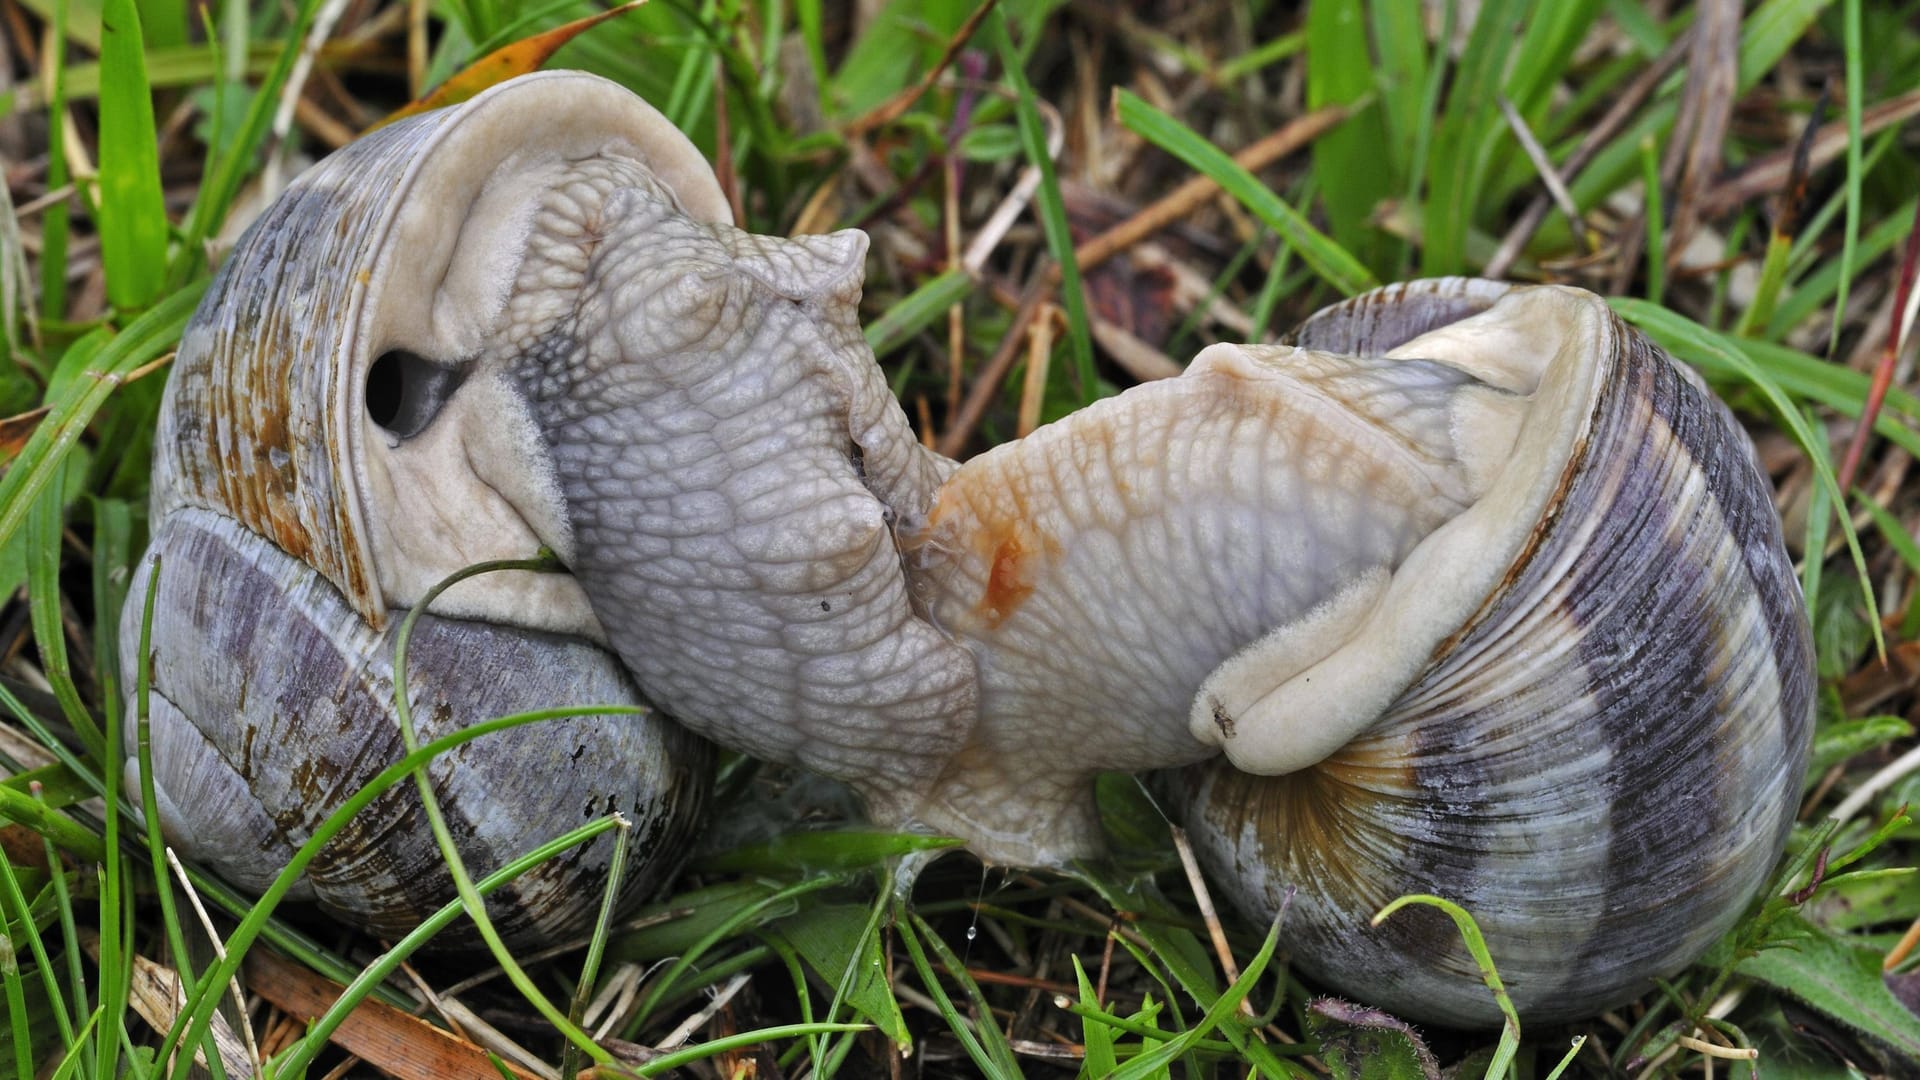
1473,591
1388,593
300,501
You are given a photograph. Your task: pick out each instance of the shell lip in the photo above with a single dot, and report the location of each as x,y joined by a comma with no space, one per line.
1608,351
576,110
1556,344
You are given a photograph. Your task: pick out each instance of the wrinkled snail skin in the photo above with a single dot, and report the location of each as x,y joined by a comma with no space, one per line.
731,461
1602,763
297,513
1100,569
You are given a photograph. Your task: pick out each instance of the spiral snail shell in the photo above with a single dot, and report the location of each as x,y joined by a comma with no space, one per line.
1602,756
1469,590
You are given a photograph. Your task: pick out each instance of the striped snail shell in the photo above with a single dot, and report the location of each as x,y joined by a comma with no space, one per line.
1600,756
332,443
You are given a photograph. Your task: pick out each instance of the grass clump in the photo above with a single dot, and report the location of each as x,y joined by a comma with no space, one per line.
1740,181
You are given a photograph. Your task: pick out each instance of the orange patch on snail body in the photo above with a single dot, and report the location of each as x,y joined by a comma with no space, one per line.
1008,583
1015,554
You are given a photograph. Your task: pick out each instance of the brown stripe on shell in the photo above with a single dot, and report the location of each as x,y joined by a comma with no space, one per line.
282,691
252,426
1319,828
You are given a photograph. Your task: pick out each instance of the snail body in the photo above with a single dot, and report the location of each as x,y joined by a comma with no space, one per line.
1470,590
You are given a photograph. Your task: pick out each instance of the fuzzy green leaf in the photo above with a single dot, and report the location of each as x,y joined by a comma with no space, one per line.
1838,742
1358,1043
1841,979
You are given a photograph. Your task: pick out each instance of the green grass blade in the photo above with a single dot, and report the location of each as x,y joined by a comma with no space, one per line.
60,830
1770,31
14,907
1052,209
1850,18
1096,1034
227,167
443,836
1773,277
133,217
115,961
1672,329
54,223
192,1022
149,798
1464,138
39,461
667,981
667,1062
1476,944
1572,1051
163,22
70,941
177,66
1656,220
1819,517
45,522
15,988
1348,161
1333,263
997,1062
1545,53
597,944
1219,1015
363,984
917,310
1260,56
79,1049
1765,36
1822,286
1399,36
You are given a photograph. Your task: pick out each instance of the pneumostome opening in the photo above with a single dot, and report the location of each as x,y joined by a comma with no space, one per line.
405,391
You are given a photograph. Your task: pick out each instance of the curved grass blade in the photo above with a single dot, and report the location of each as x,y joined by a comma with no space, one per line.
1477,948
39,461
1695,340
1335,264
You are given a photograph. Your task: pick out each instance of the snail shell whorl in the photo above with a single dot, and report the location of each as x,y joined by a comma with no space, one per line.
261,656
1602,764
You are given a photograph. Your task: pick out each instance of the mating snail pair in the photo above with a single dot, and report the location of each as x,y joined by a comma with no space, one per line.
1494,585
